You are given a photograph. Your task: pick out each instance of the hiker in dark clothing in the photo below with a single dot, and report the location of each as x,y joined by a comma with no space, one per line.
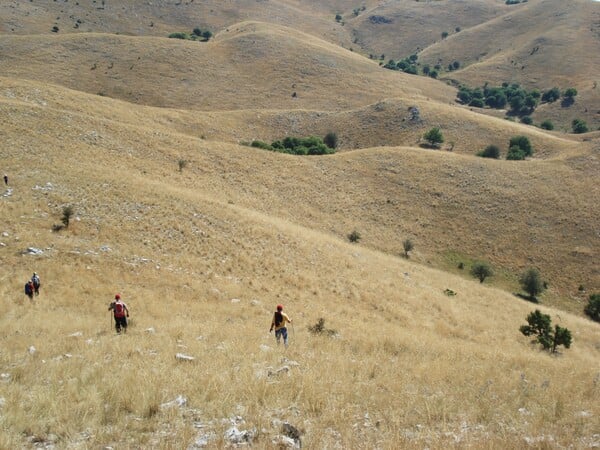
29,289
120,313
6,179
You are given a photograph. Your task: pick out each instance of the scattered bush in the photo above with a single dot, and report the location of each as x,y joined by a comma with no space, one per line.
354,236
311,145
444,34
491,151
527,120
408,246
551,95
531,283
481,271
331,140
319,328
592,309
181,163
523,143
522,102
338,18
579,126
540,326
547,125
196,35
406,65
515,154
434,137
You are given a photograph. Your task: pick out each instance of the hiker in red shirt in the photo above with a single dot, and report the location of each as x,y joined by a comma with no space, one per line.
120,312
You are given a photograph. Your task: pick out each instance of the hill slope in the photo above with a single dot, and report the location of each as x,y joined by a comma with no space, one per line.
202,255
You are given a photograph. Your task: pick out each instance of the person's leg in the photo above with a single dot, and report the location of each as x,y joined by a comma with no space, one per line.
124,324
284,333
278,335
117,325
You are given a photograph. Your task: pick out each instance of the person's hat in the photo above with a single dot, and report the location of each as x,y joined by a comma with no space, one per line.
118,297
279,307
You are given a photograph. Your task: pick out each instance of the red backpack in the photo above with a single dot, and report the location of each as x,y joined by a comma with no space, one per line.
119,310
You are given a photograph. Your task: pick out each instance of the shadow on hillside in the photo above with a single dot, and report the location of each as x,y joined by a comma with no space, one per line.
429,146
526,297
567,101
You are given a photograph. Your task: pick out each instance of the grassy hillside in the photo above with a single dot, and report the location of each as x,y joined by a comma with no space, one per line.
202,256
146,138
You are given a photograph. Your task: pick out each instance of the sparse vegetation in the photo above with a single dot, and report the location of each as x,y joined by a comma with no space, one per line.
491,151
592,309
320,329
519,147
182,163
197,34
354,236
539,325
569,96
521,101
67,214
434,137
331,140
481,271
311,145
551,95
408,246
579,126
338,18
531,282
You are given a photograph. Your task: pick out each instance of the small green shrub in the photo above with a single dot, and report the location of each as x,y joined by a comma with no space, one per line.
592,309
547,125
515,153
531,282
67,213
540,326
354,236
491,151
579,126
408,246
481,271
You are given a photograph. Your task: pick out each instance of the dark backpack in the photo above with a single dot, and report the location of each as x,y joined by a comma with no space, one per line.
278,318
119,310
28,289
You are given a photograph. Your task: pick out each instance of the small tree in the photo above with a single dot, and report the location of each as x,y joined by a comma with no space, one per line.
338,18
354,236
523,143
531,282
207,35
408,246
481,271
491,151
592,309
547,125
551,95
579,126
570,93
444,34
434,137
67,212
540,326
331,140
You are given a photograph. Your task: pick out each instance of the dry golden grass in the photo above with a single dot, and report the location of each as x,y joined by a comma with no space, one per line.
202,256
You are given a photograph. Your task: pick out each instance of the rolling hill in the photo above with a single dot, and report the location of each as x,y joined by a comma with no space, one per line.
146,138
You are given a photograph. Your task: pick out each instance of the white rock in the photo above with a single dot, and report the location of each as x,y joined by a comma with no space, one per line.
179,401
31,350
76,334
183,357
150,330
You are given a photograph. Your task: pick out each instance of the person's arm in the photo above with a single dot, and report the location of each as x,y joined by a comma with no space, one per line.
126,309
111,306
272,323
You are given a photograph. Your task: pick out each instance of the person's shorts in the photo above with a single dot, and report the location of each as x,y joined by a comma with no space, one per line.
281,332
121,322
